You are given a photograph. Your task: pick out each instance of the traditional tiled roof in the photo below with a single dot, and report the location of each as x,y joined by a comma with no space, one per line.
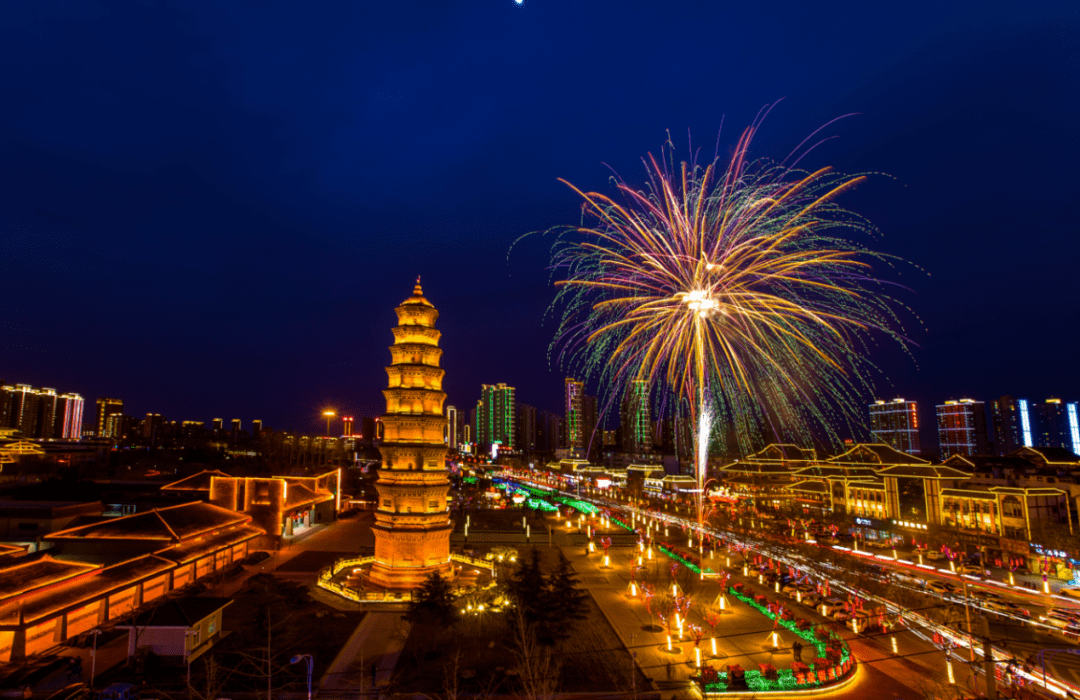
42,571
52,599
166,524
196,482
785,452
876,453
301,495
1050,455
198,547
925,471
180,612
808,487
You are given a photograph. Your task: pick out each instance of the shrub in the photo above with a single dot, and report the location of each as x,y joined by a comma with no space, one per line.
802,624
768,671
799,667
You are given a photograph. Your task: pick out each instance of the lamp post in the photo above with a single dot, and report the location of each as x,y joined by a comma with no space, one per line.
329,413
310,666
93,657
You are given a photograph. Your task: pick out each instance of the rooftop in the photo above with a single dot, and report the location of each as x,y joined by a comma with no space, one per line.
166,524
180,612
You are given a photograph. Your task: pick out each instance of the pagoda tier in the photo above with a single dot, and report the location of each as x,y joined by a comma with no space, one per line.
412,521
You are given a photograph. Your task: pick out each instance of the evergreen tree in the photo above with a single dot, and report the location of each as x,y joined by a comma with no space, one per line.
433,602
528,587
565,603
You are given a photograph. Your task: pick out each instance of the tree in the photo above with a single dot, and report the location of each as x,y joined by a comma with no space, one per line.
565,603
433,602
528,587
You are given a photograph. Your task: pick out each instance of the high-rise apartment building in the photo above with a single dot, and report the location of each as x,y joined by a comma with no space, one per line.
496,417
527,428
256,427
69,417
216,425
574,396
235,428
105,409
1057,425
592,439
1012,421
896,423
151,427
962,428
636,419
347,423
549,431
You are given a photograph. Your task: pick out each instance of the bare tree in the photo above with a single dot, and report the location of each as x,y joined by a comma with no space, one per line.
537,668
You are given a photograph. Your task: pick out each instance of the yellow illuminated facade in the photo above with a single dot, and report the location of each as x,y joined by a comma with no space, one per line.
412,521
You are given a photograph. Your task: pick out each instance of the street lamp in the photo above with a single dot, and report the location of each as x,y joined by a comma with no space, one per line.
93,657
329,413
310,666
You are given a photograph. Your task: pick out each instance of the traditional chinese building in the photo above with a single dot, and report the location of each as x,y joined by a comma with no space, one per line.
412,521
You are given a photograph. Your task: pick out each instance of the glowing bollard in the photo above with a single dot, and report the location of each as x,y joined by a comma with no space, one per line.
894,555
729,562
1046,585
633,589
592,546
665,531
680,629
669,642
1012,579
723,600
607,560
798,596
854,625
761,578
952,566
775,641
776,586
674,588
639,562
649,552
745,570
952,677
920,559
714,647
697,657
823,610
894,649
690,542
641,546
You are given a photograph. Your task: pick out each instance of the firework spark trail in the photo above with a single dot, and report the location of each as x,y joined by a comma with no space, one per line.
737,286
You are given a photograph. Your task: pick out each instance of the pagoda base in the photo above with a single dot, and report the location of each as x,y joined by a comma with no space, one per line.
407,577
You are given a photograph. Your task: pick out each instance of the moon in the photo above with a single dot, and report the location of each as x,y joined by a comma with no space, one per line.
519,2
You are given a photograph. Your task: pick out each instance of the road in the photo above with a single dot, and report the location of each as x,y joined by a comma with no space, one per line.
1063,668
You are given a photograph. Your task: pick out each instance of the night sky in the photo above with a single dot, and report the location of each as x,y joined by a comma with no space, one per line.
212,212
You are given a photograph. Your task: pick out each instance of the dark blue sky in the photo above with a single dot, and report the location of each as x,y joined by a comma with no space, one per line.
212,211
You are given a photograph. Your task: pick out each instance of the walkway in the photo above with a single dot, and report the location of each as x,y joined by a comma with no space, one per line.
377,642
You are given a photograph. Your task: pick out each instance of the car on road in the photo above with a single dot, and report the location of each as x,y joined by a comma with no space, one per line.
812,600
972,570
941,587
1060,617
908,579
1004,606
879,544
830,605
1070,591
934,555
846,615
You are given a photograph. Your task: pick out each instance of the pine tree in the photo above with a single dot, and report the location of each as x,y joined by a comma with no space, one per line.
528,586
433,602
565,603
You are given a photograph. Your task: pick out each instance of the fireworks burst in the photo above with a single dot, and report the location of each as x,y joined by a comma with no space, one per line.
739,289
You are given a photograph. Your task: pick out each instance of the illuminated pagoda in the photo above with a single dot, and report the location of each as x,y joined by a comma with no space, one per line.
412,521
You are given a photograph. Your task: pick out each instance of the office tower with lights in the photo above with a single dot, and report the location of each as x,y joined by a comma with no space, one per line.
962,428
1013,424
256,428
1057,425
635,419
896,423
106,408
347,426
453,424
151,427
574,397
